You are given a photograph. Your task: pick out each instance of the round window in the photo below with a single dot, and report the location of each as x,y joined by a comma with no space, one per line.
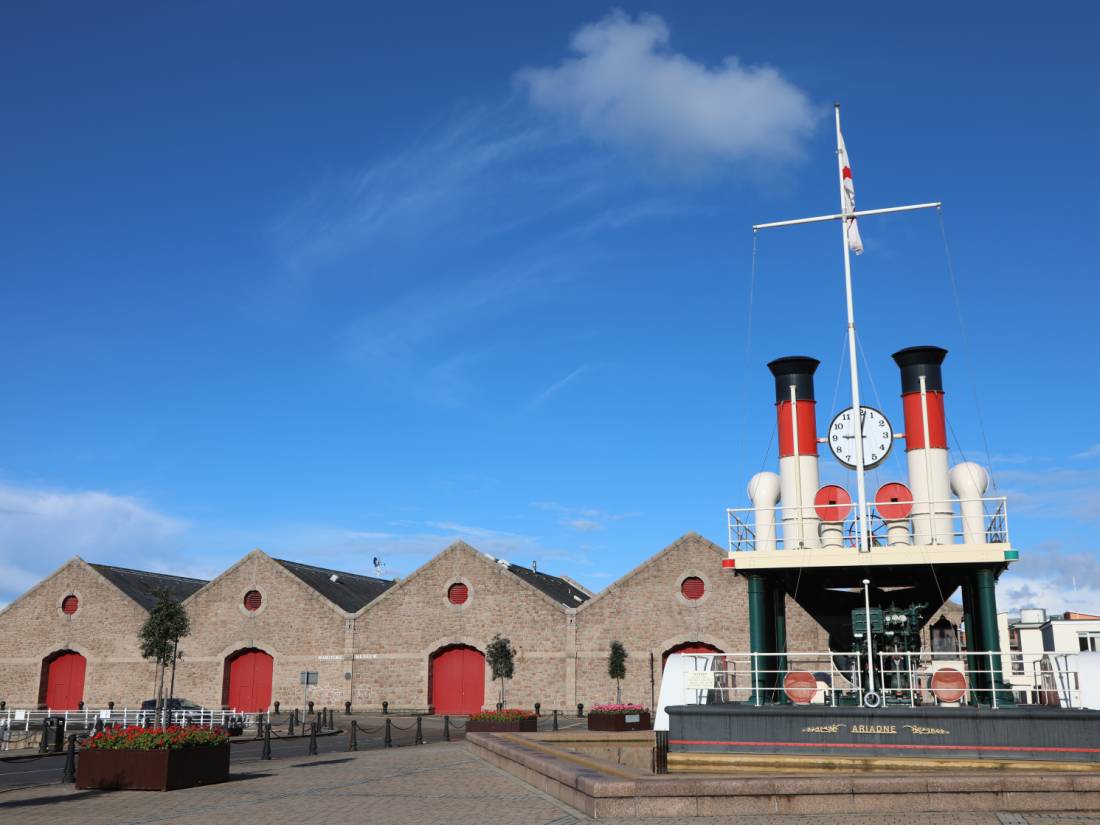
69,605
458,593
692,588
253,600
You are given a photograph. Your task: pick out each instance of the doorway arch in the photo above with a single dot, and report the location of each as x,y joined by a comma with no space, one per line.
247,682
62,684
456,680
688,647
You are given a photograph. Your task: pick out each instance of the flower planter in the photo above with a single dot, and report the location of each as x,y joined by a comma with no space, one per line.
620,721
153,770
529,725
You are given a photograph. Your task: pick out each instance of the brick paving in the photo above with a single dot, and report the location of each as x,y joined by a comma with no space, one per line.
440,783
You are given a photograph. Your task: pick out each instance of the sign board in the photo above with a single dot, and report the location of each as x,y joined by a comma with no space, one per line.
307,677
20,716
105,714
328,657
699,680
633,718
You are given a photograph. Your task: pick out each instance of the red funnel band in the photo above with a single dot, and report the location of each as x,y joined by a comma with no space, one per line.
832,503
807,428
914,422
894,501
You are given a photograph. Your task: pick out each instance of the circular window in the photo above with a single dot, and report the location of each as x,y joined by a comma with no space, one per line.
69,605
253,600
458,593
692,588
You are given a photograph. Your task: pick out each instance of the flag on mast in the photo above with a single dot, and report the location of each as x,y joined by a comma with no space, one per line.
855,243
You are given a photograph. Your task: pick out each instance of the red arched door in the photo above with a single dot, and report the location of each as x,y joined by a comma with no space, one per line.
457,680
63,681
248,681
689,647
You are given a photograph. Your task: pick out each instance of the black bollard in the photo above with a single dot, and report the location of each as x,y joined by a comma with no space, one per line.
59,736
68,776
319,721
313,739
265,753
332,718
347,708
500,706
98,726
290,725
538,708
419,732
385,708
276,708
580,709
446,728
111,705
259,726
3,704
388,741
44,743
353,738
555,721
311,707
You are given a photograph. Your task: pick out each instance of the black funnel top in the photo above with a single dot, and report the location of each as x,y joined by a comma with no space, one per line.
797,370
918,361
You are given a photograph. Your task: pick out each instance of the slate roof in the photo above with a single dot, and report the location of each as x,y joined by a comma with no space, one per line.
142,586
350,592
557,589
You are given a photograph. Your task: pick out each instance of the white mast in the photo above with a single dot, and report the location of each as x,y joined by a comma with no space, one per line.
853,362
846,219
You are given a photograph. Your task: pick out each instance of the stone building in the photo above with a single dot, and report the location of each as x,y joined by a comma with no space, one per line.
269,630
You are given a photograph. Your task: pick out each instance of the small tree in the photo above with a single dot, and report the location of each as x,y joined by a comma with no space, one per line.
160,635
501,656
616,668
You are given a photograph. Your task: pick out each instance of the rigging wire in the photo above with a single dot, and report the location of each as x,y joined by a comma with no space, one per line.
966,348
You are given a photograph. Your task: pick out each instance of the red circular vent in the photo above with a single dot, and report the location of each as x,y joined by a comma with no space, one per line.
692,587
69,605
253,600
458,593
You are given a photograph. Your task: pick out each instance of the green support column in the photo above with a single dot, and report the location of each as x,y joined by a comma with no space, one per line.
758,633
973,638
986,596
779,613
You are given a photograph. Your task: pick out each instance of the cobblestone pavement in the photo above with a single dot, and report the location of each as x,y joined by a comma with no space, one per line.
441,783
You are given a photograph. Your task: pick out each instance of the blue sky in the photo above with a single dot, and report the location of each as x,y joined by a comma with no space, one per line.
348,280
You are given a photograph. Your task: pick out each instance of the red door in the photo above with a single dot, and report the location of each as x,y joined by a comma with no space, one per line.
248,683
457,680
65,681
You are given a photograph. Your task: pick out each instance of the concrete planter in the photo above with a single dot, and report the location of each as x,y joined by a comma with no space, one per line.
156,770
620,721
530,725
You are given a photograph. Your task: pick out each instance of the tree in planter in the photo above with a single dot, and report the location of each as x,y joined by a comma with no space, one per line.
160,636
616,668
502,660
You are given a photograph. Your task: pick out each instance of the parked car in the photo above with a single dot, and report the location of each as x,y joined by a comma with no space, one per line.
176,704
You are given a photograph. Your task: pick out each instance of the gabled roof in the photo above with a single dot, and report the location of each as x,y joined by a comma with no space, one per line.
350,591
142,586
556,588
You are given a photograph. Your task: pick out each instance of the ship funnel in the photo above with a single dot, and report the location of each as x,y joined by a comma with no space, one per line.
798,471
969,482
926,442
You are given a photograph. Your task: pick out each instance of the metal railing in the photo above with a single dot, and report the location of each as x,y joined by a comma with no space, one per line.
936,522
24,720
758,677
901,678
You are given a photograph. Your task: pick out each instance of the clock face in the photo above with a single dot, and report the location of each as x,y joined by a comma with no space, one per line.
878,437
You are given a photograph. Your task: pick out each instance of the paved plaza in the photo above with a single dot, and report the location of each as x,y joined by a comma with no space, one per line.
436,783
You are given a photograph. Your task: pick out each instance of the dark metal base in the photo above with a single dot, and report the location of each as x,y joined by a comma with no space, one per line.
1032,733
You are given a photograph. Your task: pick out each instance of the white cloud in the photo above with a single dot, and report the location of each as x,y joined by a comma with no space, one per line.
626,87
582,519
40,529
558,386
1091,452
1048,576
